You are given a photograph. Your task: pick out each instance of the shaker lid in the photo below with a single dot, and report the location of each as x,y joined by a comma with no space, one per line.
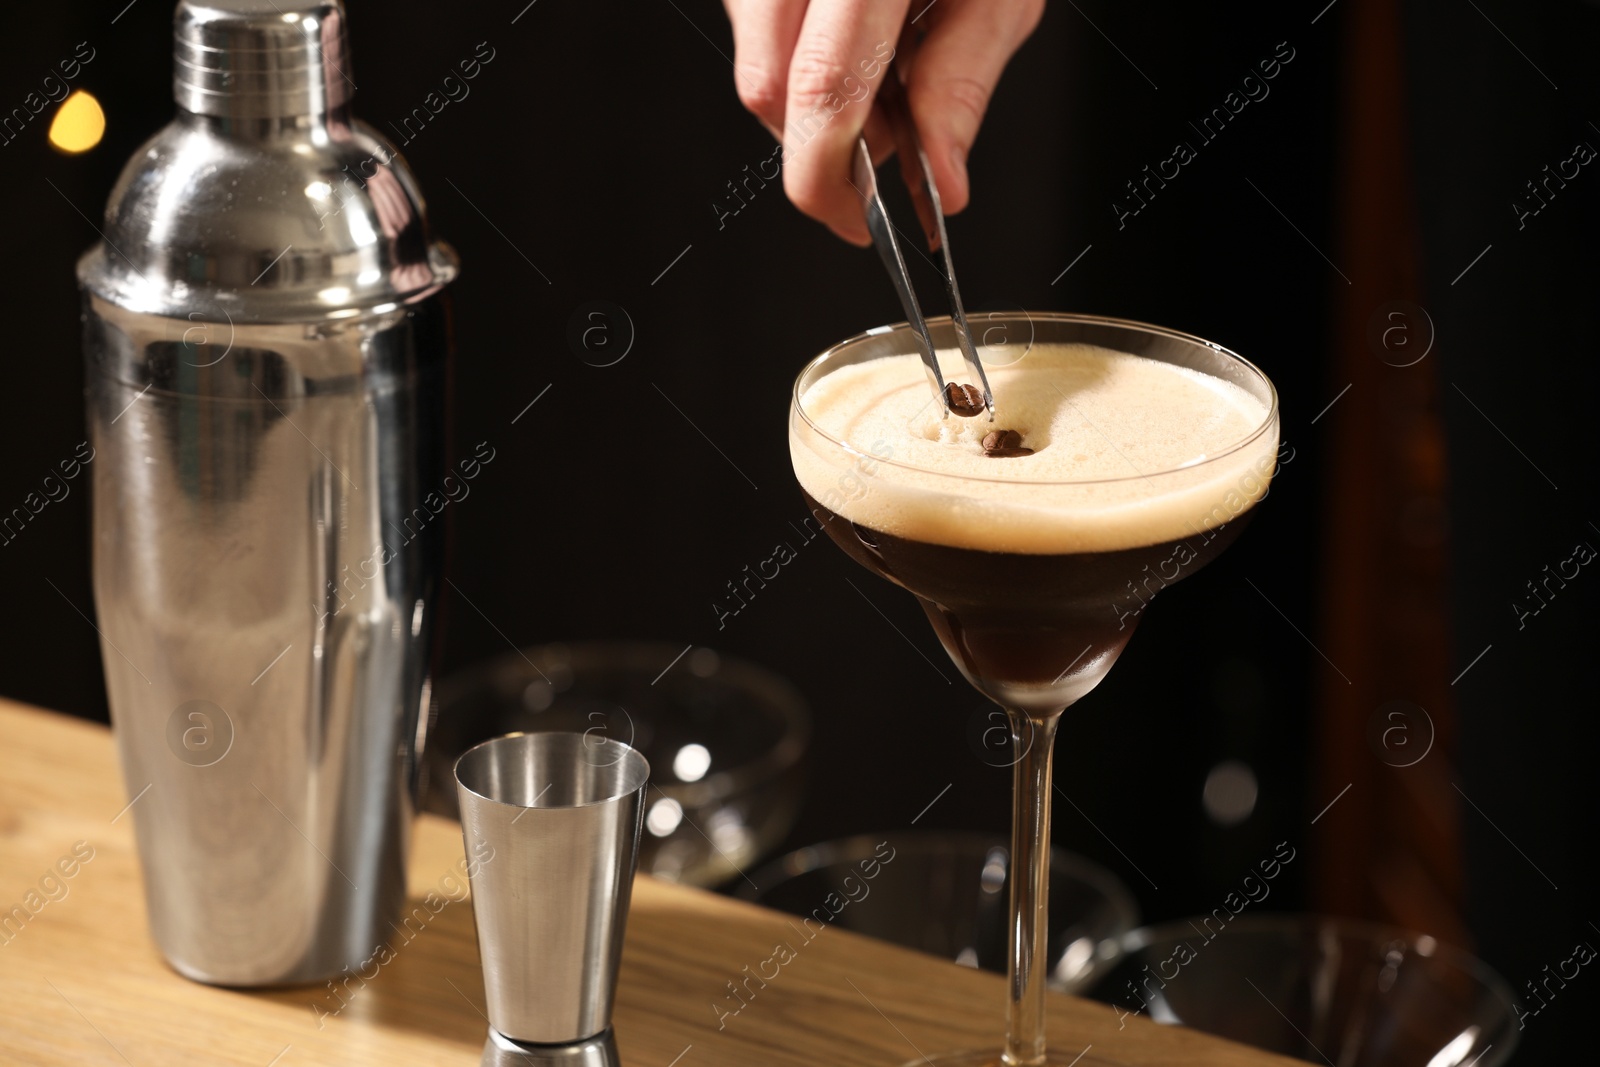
260,59
264,201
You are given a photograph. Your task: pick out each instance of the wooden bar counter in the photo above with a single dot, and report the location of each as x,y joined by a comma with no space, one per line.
81,982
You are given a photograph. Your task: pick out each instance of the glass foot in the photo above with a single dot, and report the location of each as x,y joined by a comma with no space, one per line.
1052,1058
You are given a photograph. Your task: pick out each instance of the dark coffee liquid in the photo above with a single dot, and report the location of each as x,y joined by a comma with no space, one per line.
1021,619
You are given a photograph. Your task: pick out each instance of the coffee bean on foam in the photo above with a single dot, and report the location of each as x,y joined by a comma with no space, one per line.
1004,444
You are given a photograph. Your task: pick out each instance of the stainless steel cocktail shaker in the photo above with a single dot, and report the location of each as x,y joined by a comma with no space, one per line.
265,340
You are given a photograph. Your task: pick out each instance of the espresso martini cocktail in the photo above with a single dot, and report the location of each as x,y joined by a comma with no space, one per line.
1120,458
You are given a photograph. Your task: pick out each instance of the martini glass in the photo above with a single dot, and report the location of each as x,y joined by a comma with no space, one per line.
1034,585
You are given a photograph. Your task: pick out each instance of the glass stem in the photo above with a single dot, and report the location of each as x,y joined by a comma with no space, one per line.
1033,739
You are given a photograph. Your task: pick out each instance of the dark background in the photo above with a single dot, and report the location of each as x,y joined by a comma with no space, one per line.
595,144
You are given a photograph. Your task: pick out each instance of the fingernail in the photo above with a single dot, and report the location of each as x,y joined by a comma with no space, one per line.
958,162
859,238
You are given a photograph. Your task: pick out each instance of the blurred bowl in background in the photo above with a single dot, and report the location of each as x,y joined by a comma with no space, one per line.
1320,989
726,740
947,893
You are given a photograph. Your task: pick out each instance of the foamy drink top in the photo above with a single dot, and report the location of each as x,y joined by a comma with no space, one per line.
1127,452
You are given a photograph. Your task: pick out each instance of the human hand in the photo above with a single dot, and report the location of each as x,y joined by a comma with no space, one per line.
810,71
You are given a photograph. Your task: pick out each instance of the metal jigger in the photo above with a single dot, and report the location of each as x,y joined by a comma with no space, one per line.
553,820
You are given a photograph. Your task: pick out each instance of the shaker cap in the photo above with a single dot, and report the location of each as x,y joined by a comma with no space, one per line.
260,59
264,200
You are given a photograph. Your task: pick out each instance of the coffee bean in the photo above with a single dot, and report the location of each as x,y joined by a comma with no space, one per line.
964,400
996,439
1004,444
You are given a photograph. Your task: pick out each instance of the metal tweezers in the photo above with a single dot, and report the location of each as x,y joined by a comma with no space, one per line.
925,198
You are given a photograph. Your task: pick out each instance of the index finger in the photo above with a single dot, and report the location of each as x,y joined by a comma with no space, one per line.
840,59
